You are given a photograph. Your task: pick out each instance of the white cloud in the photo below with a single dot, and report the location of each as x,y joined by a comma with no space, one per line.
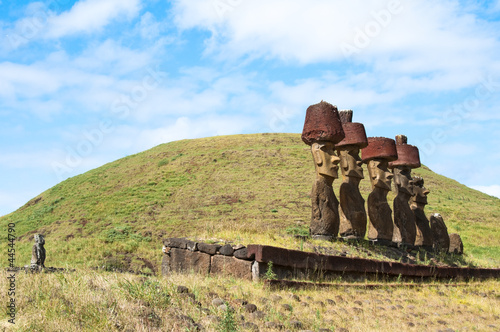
28,81
445,47
493,190
149,28
183,128
87,16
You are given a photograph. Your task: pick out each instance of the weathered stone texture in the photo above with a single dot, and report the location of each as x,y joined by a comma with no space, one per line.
424,234
440,237
210,249
38,252
352,211
185,261
381,225
456,244
242,254
180,243
231,266
325,213
404,221
226,250
322,123
381,148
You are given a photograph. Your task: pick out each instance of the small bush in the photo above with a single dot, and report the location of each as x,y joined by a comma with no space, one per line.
270,275
228,322
151,292
297,230
163,162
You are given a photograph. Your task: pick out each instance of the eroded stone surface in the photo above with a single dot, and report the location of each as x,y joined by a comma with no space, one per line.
417,204
325,216
352,213
231,266
180,260
207,248
322,123
38,252
180,243
456,244
381,226
440,237
226,250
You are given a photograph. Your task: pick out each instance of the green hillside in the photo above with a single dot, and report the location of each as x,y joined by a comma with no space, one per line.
244,188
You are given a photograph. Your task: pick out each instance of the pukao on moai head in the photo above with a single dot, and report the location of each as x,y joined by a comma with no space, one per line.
322,130
405,230
352,205
377,155
417,203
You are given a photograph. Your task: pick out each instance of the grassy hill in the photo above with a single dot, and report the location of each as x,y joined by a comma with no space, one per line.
244,188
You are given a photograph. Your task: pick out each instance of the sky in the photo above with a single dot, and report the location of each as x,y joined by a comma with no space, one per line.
83,83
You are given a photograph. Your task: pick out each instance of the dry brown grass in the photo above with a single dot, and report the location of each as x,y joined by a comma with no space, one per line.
93,301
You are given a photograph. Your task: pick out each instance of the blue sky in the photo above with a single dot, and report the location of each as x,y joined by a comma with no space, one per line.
83,83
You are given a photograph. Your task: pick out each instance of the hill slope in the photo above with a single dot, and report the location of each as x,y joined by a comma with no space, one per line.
244,188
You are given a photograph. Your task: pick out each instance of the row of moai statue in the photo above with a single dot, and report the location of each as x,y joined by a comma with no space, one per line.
337,141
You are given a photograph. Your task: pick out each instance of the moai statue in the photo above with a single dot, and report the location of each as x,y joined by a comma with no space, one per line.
352,205
440,237
377,155
322,130
38,252
405,228
417,204
456,244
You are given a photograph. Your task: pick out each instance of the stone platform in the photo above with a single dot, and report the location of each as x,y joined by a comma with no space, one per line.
253,262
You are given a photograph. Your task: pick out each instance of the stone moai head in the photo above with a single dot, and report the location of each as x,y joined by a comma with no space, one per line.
322,130
348,149
377,155
419,191
39,239
408,158
325,159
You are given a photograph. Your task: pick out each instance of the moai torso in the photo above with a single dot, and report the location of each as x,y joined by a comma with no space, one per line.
325,217
38,251
381,226
352,211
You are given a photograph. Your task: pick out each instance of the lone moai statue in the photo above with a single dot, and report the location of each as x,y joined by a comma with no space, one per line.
377,155
405,228
38,252
417,204
352,205
440,237
322,130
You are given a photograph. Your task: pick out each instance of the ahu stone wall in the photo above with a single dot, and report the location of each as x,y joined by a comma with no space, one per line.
257,261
